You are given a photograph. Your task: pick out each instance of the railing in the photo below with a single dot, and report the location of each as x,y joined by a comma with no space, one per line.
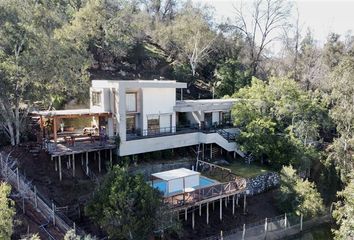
181,129
185,199
278,227
10,172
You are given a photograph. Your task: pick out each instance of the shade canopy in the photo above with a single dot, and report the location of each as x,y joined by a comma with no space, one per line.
175,174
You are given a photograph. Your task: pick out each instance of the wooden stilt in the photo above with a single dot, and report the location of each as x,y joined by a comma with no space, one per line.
110,157
94,156
193,219
56,165
220,209
60,174
244,203
213,205
211,151
99,161
226,199
237,200
51,158
82,159
68,164
87,168
207,213
73,165
233,205
203,152
185,214
200,210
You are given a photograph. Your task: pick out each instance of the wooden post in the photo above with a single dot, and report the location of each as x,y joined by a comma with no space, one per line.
56,164
94,156
55,129
82,159
73,164
266,225
53,212
211,151
110,157
207,213
203,156
213,205
18,179
233,205
221,235
244,203
60,173
200,210
244,232
23,205
220,209
234,154
87,169
301,219
285,221
193,219
69,162
51,157
99,161
74,226
237,200
35,197
226,198
185,214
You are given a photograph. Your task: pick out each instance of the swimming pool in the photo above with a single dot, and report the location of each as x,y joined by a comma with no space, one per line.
203,182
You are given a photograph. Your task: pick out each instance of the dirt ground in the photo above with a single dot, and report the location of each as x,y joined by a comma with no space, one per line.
41,171
258,208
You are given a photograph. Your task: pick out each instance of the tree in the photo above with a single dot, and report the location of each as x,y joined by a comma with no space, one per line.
258,26
71,235
192,24
231,75
7,211
34,63
126,206
344,213
298,195
279,121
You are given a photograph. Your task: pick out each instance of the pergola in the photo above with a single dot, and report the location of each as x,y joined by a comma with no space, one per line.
178,180
55,115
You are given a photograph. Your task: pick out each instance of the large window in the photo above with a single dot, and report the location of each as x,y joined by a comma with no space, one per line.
96,98
131,124
153,126
130,99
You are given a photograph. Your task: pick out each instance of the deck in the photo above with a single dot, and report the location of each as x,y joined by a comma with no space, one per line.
62,149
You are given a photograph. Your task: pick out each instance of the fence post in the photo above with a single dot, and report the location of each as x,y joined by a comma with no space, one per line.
74,227
265,228
35,197
301,219
221,235
285,221
53,211
18,179
244,232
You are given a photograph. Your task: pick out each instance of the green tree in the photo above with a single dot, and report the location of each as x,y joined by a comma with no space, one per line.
7,211
344,213
71,235
279,121
231,75
296,194
34,63
126,206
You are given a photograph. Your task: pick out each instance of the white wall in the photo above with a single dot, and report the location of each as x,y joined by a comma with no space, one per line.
158,101
175,185
106,102
215,117
192,181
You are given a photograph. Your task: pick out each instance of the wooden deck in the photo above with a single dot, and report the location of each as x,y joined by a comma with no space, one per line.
62,149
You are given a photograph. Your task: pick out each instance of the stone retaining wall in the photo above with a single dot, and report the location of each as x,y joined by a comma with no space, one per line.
262,183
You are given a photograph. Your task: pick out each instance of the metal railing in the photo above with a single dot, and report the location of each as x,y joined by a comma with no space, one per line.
181,129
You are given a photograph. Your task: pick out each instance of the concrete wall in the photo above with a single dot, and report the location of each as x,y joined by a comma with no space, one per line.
160,102
106,103
175,141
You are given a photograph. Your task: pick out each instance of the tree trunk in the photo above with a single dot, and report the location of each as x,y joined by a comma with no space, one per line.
17,124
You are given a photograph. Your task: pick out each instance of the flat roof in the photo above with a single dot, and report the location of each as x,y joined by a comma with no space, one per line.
205,105
140,83
68,112
175,174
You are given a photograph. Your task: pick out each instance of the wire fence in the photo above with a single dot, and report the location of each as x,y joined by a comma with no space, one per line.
28,192
277,227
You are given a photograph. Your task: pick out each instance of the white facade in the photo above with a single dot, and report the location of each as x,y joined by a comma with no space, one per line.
143,110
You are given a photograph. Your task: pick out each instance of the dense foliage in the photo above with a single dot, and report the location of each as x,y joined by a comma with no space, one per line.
127,207
7,212
280,122
298,195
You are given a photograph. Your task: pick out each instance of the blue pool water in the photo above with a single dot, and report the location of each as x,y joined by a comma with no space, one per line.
203,182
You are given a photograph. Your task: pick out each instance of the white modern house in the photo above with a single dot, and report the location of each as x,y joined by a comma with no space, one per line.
147,117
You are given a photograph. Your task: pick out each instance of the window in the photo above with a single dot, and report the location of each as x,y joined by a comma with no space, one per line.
130,124
153,126
130,99
96,98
